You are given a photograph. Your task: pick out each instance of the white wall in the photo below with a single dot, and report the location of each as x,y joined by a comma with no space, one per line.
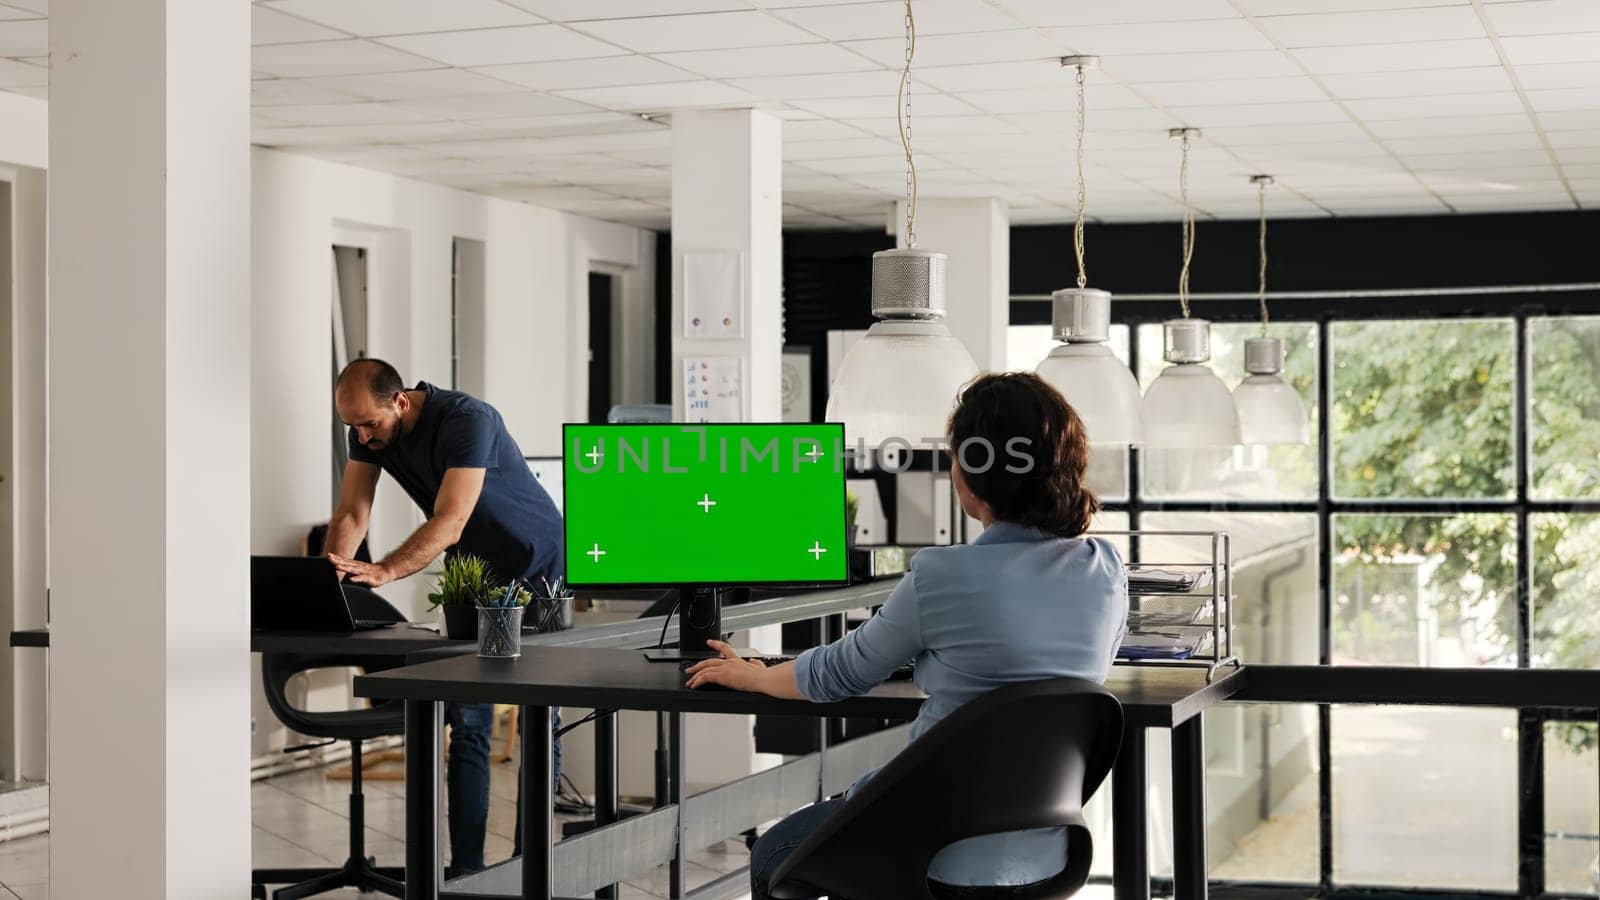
535,330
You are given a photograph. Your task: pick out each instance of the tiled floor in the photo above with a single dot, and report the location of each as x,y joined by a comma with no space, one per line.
300,820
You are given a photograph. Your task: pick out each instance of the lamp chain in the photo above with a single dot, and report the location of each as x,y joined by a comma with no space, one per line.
1261,290
1083,196
903,112
1188,226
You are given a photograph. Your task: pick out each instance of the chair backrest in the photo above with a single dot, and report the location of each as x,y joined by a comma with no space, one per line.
1022,756
381,720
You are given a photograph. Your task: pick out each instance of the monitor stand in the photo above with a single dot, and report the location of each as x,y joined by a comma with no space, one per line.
699,620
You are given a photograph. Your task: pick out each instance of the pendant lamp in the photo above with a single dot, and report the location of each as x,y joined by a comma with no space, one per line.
1098,385
1187,405
901,379
1270,410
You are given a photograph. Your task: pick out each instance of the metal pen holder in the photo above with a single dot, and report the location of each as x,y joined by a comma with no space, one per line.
500,632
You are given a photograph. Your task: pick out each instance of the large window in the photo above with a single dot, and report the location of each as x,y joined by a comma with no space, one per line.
1445,514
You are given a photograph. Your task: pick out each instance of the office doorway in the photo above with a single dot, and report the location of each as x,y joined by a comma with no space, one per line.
349,310
602,322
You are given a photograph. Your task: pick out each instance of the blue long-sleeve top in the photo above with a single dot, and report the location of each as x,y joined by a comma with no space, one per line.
1017,604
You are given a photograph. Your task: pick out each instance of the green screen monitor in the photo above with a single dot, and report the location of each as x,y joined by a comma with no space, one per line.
714,505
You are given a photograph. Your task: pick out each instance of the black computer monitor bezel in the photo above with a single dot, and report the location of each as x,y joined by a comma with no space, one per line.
624,585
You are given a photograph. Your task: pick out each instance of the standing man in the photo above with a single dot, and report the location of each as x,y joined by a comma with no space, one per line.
452,454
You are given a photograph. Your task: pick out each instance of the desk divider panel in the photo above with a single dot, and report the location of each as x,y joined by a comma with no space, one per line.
720,813
636,845
843,763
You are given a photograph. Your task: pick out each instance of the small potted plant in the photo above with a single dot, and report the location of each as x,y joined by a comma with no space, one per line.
500,621
464,585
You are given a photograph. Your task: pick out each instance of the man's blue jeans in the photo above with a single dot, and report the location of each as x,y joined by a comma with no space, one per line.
467,781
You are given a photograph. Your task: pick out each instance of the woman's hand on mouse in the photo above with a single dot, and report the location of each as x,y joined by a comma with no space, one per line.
728,670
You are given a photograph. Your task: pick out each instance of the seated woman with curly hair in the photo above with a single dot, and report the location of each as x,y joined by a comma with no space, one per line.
1031,598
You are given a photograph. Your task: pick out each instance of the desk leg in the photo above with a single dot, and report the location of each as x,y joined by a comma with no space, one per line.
422,799
1130,861
605,782
1189,811
675,797
538,803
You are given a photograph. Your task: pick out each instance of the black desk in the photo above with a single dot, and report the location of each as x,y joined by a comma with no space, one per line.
396,640
1152,697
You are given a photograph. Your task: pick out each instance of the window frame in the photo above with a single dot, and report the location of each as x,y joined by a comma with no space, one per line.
1323,309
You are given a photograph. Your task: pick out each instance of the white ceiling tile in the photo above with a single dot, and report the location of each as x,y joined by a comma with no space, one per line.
699,31
1476,159
1389,26
489,106
1544,17
1510,201
1292,7
786,59
350,114
8,13
335,134
496,46
1565,140
569,123
1418,83
1503,103
997,76
1449,143
584,73
1053,99
1057,12
1564,99
1463,126
1212,35
1398,57
352,57
1554,76
961,49
876,83
1570,119
1488,179
845,149
823,130
27,37
268,26
884,164
15,74
37,93
651,157
1551,48
1141,68
861,21
1329,132
426,84
1364,152
1570,156
1282,114
656,97
369,18
932,126
870,107
583,10
370,154
1235,90
276,91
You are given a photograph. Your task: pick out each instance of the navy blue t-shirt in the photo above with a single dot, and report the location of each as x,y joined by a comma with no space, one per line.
515,527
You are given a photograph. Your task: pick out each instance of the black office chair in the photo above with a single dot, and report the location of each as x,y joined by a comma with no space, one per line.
1022,756
354,725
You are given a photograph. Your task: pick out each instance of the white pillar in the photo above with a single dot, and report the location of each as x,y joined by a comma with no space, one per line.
727,209
977,236
149,448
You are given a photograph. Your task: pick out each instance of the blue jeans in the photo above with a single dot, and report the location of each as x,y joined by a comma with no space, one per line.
467,782
775,846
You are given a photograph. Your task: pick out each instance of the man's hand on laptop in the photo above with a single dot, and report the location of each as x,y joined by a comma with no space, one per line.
369,574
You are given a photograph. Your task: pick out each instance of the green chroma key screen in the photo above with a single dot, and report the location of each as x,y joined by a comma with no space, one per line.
714,504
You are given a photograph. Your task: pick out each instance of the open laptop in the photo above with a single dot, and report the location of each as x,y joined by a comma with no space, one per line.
301,593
